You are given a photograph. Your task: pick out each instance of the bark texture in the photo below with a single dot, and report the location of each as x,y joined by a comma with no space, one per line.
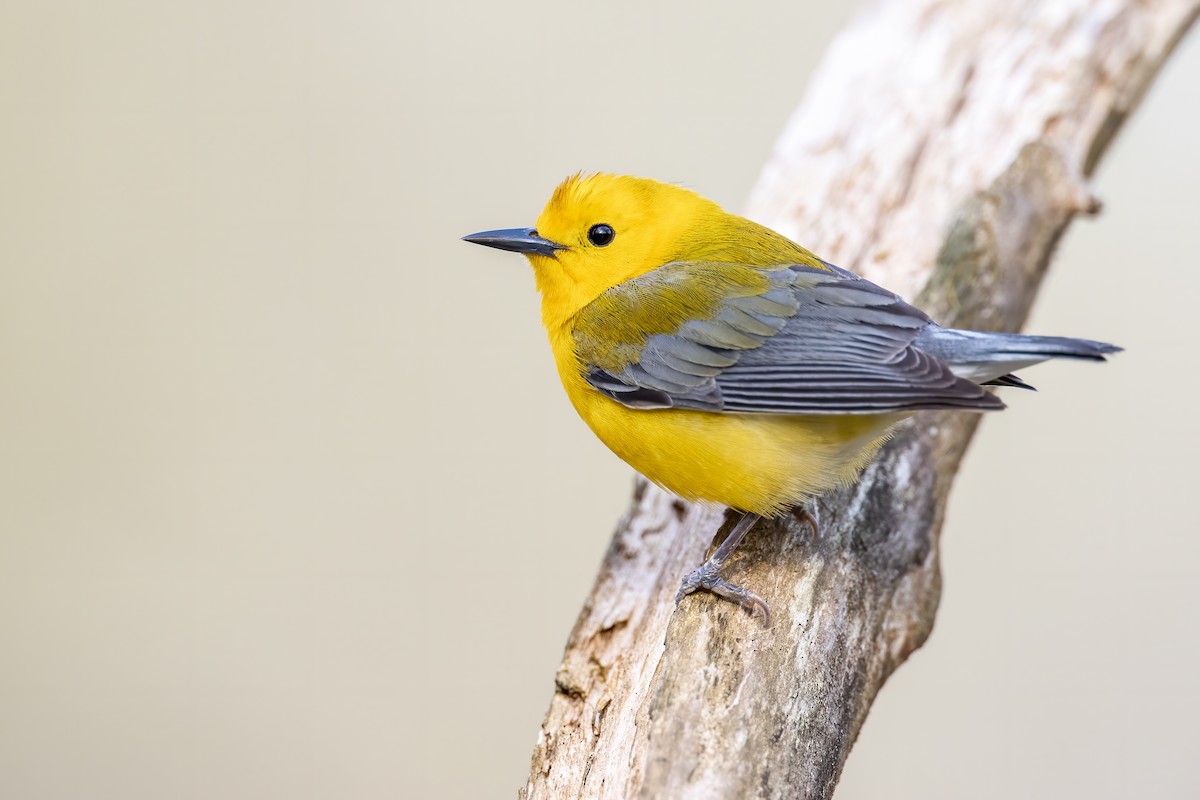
941,152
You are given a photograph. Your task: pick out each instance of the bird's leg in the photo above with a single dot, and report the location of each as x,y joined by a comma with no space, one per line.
708,576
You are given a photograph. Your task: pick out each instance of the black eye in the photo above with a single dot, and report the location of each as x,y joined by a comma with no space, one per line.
601,235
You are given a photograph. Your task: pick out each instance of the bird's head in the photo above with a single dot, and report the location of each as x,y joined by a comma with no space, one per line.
600,230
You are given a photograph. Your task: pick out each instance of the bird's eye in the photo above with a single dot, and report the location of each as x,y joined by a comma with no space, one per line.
601,235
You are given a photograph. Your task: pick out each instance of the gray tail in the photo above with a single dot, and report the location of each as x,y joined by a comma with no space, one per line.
989,358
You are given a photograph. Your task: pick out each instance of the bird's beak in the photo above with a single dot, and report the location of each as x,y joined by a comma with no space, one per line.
518,240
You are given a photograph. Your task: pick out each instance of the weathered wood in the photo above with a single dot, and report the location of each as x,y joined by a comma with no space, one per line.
941,152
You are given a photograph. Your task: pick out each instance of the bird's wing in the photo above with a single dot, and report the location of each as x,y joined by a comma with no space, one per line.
789,340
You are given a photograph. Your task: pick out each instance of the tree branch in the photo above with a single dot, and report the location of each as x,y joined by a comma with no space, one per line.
941,152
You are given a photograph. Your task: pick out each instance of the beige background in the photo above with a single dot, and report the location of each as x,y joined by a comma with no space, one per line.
291,504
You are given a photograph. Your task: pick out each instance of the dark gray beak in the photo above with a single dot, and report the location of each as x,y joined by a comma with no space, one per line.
517,240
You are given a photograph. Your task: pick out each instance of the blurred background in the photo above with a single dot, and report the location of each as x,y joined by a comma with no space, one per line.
292,505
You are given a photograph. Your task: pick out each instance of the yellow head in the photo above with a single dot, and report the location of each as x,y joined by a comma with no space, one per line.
598,231
616,228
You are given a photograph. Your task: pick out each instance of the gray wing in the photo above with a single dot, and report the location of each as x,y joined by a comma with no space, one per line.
818,341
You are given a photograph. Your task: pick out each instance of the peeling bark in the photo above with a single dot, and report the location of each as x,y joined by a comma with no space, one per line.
941,152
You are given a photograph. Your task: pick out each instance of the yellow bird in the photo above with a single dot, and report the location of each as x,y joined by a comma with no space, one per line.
728,364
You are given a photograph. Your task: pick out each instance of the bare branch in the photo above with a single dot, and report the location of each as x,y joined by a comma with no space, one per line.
941,152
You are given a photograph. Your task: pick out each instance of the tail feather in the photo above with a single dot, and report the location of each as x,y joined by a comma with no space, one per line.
1010,380
988,358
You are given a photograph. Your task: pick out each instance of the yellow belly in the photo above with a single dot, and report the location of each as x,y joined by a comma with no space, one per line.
763,463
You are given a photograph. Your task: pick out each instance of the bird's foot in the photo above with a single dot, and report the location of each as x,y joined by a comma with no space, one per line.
805,516
708,578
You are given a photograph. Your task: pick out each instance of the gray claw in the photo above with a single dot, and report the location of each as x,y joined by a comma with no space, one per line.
708,578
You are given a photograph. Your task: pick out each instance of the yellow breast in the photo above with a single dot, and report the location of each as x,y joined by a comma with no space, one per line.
763,463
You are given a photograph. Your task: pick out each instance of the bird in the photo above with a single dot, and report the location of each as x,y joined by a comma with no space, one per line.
730,365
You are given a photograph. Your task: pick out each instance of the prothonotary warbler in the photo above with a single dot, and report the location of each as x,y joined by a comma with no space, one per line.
731,365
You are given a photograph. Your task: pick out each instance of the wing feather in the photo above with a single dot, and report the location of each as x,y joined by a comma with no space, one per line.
790,340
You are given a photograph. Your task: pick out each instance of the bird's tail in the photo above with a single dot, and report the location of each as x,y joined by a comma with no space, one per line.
988,358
